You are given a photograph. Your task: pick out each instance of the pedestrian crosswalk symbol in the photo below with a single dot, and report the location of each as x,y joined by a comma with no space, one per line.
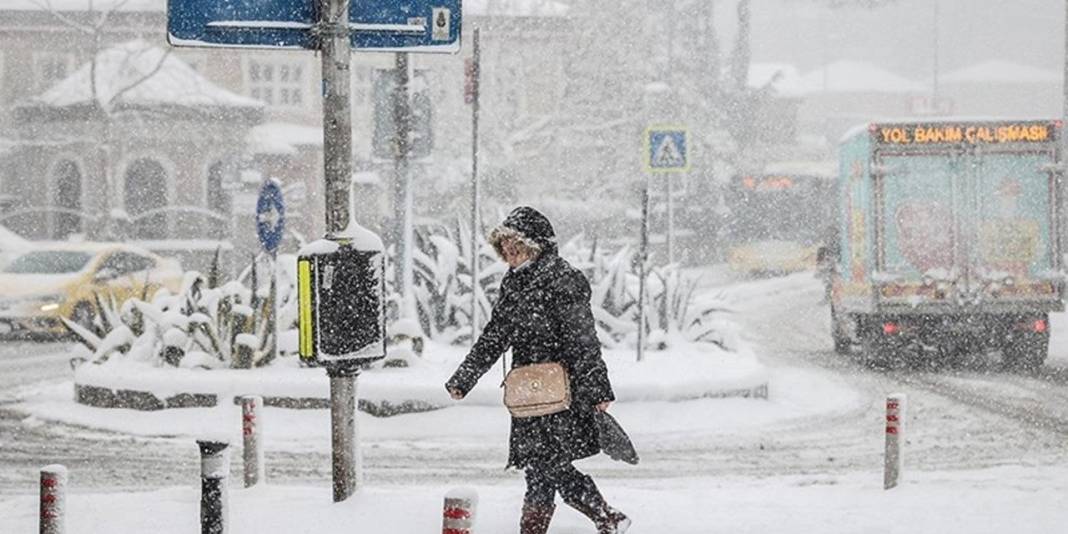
666,150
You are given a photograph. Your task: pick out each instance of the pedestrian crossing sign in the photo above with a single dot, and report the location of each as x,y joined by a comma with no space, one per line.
666,149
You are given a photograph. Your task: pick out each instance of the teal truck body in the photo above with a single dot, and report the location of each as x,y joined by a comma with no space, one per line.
948,240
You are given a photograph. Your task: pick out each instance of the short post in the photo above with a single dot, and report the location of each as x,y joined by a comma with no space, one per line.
250,429
895,439
53,499
214,474
459,514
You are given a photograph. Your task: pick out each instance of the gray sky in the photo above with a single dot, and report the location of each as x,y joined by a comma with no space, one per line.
900,36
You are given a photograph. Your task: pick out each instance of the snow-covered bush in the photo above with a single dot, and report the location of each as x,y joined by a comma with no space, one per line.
671,309
202,325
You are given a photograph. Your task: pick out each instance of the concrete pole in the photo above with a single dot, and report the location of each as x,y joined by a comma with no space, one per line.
458,515
895,439
53,500
251,427
337,156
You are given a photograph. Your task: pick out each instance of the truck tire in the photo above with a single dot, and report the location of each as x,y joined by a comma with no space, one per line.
843,344
874,352
1027,354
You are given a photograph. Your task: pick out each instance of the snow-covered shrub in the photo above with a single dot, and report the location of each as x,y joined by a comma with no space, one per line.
202,325
671,308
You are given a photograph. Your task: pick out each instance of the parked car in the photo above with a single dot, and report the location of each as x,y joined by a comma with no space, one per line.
61,280
11,245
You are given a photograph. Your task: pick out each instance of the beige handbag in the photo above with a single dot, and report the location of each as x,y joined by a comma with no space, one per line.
537,389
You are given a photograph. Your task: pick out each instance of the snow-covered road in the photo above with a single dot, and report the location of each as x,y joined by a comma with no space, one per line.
965,419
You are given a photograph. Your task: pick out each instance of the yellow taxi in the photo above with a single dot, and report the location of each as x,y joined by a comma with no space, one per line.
60,280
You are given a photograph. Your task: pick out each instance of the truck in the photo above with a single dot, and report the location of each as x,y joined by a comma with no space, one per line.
947,241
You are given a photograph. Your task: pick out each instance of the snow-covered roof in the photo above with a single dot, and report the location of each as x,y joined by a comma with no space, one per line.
100,6
783,77
283,138
1002,72
855,77
154,77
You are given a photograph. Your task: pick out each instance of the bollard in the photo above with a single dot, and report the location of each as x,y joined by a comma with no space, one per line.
214,475
251,425
895,439
53,499
459,514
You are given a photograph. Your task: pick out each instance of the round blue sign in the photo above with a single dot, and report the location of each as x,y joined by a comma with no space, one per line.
270,215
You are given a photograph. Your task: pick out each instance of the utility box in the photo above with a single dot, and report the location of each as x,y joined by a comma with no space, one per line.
341,295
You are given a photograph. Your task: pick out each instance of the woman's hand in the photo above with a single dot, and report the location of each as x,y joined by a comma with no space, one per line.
455,394
602,407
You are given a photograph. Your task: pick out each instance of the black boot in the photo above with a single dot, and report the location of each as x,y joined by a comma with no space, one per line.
586,498
536,518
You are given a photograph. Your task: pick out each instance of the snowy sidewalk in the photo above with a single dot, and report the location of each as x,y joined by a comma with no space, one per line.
993,501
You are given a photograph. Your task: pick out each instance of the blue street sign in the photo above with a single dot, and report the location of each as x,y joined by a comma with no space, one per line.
241,23
666,149
374,25
270,215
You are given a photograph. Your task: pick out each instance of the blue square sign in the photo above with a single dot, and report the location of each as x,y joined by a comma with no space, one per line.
666,149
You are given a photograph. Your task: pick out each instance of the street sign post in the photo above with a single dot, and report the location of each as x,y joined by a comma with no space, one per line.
374,25
270,215
330,27
270,227
666,149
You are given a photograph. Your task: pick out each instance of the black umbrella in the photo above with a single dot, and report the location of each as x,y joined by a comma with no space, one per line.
614,441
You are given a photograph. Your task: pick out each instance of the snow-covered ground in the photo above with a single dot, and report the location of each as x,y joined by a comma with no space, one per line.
808,459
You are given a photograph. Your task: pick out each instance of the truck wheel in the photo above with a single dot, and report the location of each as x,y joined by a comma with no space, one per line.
1026,354
874,352
842,342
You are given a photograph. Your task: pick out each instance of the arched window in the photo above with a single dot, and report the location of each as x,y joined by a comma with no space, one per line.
67,197
146,190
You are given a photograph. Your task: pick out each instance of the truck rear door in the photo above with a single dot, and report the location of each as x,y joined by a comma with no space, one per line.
918,227
1012,227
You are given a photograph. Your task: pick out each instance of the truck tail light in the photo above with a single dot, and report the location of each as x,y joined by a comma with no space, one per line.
1040,326
890,328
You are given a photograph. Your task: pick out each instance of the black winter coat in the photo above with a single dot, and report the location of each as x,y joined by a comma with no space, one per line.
543,314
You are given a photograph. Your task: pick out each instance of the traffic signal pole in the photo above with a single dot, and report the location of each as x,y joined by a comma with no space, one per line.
402,188
333,31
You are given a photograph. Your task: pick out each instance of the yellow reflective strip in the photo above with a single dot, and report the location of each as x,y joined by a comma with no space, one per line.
304,296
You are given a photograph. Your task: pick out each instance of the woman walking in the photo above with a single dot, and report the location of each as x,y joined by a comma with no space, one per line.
543,314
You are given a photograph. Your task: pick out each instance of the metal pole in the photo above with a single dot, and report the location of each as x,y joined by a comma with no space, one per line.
337,112
337,156
475,89
272,310
934,88
343,432
670,218
214,481
401,187
643,255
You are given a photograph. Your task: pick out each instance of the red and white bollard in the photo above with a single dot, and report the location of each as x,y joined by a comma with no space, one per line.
53,499
251,426
459,514
895,439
